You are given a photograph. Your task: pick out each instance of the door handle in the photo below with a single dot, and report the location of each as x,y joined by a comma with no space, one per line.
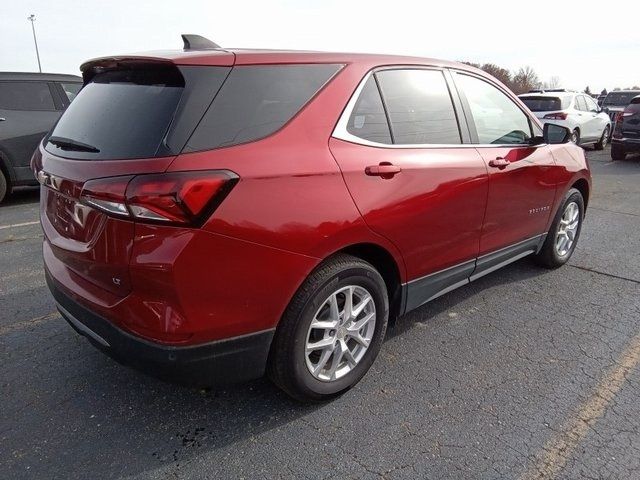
2,119
499,163
384,170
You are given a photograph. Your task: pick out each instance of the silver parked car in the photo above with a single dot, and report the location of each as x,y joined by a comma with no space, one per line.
589,123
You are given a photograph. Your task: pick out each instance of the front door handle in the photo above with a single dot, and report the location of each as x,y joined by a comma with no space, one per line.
499,163
384,170
2,119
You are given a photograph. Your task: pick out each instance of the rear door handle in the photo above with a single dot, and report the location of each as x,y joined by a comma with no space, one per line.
2,119
499,163
384,170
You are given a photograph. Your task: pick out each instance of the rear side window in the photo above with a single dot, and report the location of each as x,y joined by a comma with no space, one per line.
119,114
368,120
419,106
546,104
497,119
256,101
26,96
71,90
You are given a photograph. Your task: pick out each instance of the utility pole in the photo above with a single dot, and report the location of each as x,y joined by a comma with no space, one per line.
32,19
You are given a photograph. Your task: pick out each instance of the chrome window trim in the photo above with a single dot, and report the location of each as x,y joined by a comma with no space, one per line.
340,131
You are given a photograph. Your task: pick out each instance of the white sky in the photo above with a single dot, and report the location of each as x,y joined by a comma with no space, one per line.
596,45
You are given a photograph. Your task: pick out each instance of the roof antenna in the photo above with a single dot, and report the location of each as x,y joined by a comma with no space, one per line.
197,42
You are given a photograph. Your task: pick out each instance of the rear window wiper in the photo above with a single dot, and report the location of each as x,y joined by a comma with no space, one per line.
69,144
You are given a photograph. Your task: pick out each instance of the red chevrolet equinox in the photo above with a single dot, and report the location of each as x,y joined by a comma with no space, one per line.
217,214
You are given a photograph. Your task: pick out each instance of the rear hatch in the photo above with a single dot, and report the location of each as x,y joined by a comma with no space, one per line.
545,106
132,117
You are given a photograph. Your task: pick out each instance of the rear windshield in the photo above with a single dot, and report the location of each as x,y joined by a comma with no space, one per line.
545,104
620,99
256,101
119,114
150,110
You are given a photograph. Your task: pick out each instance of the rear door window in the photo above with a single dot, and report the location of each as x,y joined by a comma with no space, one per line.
256,101
419,106
26,96
368,120
497,119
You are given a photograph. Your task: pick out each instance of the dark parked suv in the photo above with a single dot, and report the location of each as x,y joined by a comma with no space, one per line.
30,104
626,133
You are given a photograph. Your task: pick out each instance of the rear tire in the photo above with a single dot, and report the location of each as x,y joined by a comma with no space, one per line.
310,374
564,233
575,137
603,139
4,186
617,152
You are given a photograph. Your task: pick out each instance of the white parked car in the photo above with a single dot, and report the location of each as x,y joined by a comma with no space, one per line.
578,112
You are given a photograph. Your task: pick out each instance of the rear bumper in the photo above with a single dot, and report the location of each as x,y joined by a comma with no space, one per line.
629,144
230,360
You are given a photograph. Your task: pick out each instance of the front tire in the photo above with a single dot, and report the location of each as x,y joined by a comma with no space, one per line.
604,139
564,232
617,152
331,331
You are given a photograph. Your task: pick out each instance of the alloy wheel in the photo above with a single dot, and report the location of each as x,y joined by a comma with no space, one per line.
340,333
567,229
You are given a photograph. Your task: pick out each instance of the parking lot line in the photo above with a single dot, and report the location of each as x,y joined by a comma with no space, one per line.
28,323
14,225
561,446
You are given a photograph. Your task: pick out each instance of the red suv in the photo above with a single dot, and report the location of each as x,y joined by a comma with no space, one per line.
219,213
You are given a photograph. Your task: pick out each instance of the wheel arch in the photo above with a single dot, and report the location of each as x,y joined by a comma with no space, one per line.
6,168
583,187
385,263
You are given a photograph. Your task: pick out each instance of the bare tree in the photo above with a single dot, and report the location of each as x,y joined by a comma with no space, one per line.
500,73
554,82
526,79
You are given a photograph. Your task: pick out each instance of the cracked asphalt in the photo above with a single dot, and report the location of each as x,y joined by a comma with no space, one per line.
524,374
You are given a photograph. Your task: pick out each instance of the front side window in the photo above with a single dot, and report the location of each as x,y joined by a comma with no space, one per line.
498,120
256,101
26,96
368,120
591,105
581,104
419,106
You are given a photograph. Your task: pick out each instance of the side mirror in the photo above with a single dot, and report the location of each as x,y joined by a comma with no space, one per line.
554,134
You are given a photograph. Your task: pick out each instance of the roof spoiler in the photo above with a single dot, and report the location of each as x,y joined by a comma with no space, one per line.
197,42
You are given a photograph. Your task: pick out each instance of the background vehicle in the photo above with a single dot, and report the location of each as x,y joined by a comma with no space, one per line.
615,101
626,132
576,111
236,210
30,104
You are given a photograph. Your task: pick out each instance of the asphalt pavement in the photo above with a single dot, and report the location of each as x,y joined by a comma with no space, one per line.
524,374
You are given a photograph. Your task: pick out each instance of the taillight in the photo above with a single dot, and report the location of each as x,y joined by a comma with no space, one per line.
176,198
107,194
556,116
